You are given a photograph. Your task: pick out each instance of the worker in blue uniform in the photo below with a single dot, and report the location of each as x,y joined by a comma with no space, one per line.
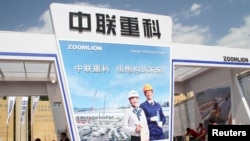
154,114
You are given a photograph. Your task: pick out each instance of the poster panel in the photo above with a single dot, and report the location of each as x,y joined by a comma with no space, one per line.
215,104
43,124
105,53
99,81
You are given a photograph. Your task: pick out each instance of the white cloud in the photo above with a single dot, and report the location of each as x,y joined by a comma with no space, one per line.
45,27
238,37
46,23
195,34
195,9
191,34
185,14
97,5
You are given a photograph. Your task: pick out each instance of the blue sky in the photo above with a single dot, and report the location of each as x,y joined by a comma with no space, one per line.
205,22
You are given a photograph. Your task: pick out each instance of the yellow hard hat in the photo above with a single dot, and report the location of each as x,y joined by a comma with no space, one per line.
147,87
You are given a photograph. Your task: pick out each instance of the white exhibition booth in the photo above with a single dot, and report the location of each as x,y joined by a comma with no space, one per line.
195,69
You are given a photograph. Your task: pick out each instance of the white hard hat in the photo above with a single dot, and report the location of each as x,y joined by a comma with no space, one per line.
133,93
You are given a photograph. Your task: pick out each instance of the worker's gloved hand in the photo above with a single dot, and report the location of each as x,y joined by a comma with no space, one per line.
154,118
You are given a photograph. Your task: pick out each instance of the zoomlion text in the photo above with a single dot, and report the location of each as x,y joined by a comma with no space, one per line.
235,59
84,47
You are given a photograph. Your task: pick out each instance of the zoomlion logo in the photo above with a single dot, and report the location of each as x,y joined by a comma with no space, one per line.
84,47
235,59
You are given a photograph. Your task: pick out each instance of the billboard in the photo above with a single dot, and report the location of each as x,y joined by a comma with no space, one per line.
104,55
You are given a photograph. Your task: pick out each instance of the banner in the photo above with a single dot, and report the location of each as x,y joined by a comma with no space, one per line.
11,103
34,104
24,105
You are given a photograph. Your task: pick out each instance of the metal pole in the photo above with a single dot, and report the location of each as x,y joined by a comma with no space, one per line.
104,106
7,132
20,129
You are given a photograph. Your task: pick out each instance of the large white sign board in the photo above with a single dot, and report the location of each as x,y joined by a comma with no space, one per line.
104,54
